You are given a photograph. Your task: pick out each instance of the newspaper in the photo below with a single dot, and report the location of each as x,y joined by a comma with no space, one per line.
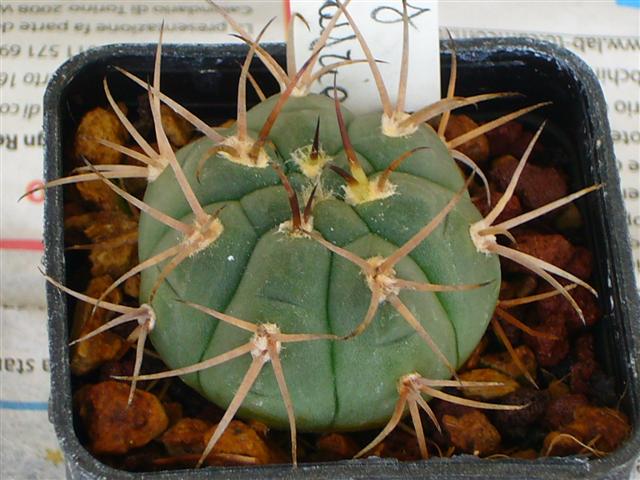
38,36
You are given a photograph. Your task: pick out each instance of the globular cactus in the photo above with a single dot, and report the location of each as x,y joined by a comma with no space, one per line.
342,249
266,269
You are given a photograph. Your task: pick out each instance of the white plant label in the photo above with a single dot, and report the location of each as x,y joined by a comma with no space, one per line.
381,24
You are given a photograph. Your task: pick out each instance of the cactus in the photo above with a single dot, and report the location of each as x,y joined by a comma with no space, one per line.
343,250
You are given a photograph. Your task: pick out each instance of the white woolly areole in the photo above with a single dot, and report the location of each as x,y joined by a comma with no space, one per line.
483,241
300,91
149,318
409,380
409,383
154,171
383,282
244,148
287,228
310,168
205,233
357,194
260,340
391,126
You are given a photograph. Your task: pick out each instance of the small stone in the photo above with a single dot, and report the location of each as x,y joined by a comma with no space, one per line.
537,186
99,124
549,351
472,433
177,129
112,426
337,446
238,444
476,149
186,436
95,351
561,410
512,420
604,429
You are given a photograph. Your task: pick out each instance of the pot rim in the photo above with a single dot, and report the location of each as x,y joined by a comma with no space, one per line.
81,464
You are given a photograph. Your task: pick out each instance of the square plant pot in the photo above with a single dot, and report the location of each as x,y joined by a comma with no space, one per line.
201,78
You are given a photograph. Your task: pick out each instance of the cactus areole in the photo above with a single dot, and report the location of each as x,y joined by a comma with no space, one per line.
262,266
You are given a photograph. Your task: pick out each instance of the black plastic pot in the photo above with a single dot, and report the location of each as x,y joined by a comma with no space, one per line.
203,78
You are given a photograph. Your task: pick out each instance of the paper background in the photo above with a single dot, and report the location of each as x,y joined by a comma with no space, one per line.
380,20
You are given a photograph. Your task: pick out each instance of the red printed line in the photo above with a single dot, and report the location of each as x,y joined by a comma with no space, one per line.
21,244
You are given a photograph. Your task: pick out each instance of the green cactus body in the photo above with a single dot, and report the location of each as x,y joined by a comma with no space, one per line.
259,273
